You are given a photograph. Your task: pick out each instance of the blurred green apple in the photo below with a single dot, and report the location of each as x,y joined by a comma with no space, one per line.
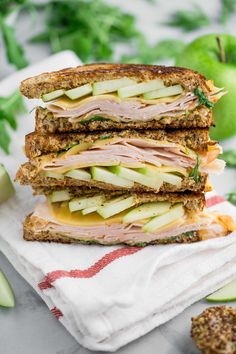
216,59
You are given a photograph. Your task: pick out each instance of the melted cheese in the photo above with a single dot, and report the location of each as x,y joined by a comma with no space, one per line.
67,104
63,215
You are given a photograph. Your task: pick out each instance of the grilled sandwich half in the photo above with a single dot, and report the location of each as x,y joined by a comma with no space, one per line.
136,161
121,96
128,218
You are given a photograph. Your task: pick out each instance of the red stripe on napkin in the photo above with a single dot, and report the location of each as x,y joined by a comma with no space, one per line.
90,272
216,199
56,312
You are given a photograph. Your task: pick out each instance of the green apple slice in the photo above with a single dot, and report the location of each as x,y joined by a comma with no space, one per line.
52,95
59,196
227,293
79,173
78,92
135,176
163,92
7,298
55,175
108,86
103,175
141,88
83,203
6,186
165,177
175,213
146,210
115,206
90,210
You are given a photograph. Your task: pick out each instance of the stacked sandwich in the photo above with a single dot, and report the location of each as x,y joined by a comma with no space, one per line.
122,154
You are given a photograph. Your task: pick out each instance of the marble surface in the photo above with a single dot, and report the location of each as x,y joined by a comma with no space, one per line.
30,327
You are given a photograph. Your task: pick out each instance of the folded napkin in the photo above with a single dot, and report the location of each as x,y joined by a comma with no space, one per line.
109,296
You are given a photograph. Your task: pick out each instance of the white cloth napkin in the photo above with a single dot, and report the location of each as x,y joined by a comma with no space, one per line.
109,296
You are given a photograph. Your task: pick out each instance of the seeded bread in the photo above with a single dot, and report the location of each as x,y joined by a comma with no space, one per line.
37,144
69,78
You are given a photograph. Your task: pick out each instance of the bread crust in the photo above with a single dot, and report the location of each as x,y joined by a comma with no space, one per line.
30,234
46,122
35,87
37,144
28,175
191,201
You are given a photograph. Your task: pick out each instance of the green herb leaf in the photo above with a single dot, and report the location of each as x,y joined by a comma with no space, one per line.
9,107
189,20
227,9
229,156
104,137
195,171
202,98
93,119
231,197
4,137
14,50
189,233
90,28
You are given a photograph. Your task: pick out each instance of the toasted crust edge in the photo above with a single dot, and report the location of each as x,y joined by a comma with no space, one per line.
35,87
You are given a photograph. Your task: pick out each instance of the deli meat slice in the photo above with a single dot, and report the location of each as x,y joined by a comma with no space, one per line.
111,233
124,110
133,152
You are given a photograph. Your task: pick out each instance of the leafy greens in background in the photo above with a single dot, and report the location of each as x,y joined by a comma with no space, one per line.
9,107
146,54
189,20
227,8
92,28
231,197
14,51
229,156
89,27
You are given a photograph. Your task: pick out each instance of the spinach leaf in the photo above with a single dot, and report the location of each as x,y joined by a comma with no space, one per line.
195,171
202,98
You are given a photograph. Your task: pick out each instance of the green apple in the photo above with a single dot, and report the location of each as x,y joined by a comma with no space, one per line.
115,206
6,187
227,293
203,55
7,298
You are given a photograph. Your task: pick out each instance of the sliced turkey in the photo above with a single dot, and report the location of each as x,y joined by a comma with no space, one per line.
126,110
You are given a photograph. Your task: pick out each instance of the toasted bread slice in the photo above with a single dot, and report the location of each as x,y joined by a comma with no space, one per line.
69,78
28,175
37,144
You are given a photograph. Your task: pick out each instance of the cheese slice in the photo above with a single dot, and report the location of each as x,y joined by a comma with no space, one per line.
67,104
62,214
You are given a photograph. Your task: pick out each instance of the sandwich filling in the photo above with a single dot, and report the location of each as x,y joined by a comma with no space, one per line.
120,220
120,100
125,161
